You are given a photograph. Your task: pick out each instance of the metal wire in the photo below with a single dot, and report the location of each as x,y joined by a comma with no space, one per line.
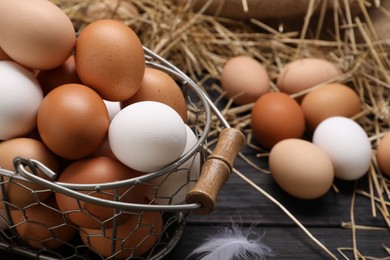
26,170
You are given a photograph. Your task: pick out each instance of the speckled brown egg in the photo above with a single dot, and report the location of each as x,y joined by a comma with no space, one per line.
301,74
20,193
276,116
383,154
63,74
3,55
42,226
110,59
329,100
97,170
73,121
301,168
159,86
133,238
244,79
37,33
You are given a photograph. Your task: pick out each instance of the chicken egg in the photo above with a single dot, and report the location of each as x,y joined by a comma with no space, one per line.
36,33
172,188
329,100
147,135
20,99
42,226
73,121
347,145
94,171
110,59
301,168
159,86
304,73
3,55
63,74
383,154
244,79
23,193
276,116
131,239
113,107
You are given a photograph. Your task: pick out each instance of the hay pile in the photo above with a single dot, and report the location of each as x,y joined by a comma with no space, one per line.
200,45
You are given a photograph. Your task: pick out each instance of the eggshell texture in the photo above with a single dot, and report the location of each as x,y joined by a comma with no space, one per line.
301,169
36,33
138,235
21,96
63,74
304,73
347,145
147,135
159,86
110,59
172,188
327,101
94,171
383,154
276,116
3,55
73,121
113,107
42,226
20,193
244,79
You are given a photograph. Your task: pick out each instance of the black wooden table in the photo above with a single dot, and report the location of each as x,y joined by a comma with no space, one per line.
241,204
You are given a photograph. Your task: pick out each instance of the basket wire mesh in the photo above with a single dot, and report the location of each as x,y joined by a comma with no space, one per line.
172,215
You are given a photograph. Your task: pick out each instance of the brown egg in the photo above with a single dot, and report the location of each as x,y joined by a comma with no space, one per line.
139,234
20,193
327,101
110,59
301,168
244,79
304,73
73,121
94,171
36,33
159,86
383,154
3,55
276,116
42,226
63,74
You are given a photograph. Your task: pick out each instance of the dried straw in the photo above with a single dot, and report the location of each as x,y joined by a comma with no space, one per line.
200,44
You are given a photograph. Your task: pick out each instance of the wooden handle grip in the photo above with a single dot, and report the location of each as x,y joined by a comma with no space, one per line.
216,170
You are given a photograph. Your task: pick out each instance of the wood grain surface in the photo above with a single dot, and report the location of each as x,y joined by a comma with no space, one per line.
239,203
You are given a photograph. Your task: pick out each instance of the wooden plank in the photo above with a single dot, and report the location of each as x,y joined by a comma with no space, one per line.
292,243
239,201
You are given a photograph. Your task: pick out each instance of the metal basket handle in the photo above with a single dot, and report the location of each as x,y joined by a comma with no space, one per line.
216,170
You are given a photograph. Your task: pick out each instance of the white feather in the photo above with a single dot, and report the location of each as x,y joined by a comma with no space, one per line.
233,244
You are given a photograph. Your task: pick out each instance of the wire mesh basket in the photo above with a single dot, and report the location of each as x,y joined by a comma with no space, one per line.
150,230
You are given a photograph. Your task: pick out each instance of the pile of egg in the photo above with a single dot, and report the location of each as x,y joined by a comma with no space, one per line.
91,110
305,121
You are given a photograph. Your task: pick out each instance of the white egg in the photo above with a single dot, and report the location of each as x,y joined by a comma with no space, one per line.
347,145
172,188
113,108
21,96
147,136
